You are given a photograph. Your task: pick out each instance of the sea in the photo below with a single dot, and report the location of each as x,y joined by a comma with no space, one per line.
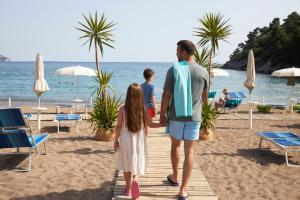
17,78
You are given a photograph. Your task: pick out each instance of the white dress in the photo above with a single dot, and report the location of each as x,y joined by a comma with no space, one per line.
133,155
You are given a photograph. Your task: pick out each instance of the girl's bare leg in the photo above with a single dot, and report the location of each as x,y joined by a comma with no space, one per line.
135,178
127,176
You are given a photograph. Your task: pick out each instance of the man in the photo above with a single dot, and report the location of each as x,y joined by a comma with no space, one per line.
184,128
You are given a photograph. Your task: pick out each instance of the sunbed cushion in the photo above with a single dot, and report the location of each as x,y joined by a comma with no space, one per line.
14,138
232,103
60,117
288,141
212,94
241,95
18,138
279,135
38,138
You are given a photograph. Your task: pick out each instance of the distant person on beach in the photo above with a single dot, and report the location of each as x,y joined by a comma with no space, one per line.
222,101
131,141
149,92
185,89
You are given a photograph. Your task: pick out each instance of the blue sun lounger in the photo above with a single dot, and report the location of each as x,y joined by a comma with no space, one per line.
212,94
13,134
286,141
67,118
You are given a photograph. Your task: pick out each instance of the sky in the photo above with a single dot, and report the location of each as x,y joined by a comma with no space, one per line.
146,31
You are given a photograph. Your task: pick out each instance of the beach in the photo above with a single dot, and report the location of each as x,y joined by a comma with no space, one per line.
237,170
74,168
78,167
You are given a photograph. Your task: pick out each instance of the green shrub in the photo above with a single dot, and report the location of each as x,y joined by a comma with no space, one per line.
264,108
296,107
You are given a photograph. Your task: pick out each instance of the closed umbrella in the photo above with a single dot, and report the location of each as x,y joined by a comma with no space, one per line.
250,81
40,85
76,71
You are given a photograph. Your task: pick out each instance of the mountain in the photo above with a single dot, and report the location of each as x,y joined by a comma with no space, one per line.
3,59
275,47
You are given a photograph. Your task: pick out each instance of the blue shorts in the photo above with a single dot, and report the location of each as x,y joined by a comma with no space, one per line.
184,130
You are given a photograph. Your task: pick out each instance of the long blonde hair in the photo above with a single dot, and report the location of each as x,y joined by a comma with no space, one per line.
135,111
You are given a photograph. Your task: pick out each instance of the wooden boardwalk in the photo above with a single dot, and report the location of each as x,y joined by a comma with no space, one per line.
153,184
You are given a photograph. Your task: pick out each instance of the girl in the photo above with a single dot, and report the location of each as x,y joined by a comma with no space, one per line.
130,140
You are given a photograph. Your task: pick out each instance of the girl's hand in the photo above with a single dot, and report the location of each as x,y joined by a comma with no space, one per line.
116,145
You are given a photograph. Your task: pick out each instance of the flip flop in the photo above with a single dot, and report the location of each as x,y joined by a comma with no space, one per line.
173,183
183,198
135,190
126,192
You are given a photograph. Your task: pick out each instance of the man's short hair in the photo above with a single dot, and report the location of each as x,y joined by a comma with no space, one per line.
148,73
186,45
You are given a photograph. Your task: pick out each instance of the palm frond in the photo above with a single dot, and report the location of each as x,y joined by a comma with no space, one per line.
212,29
98,30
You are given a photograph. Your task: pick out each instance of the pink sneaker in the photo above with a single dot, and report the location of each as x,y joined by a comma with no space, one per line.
127,192
135,190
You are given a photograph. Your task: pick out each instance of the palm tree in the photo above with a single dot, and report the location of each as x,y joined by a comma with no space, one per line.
212,29
202,57
98,32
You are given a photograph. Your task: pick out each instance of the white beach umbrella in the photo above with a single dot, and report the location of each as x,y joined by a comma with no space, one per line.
40,85
76,71
250,81
288,72
219,72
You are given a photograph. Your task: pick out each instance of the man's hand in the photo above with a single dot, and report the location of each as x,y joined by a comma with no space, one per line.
163,119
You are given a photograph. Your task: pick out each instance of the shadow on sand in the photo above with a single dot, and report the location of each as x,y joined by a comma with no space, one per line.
87,151
13,162
104,192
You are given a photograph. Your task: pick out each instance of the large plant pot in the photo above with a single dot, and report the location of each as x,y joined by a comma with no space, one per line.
206,134
105,135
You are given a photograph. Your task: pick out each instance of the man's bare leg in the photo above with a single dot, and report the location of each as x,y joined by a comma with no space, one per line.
187,165
175,157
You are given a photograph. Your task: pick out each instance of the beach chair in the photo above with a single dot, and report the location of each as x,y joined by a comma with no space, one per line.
64,106
212,94
235,100
16,133
286,141
67,118
278,106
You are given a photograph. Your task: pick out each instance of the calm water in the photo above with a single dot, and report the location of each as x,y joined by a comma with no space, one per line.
17,78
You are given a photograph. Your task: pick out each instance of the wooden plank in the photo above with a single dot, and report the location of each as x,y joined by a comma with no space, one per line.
153,184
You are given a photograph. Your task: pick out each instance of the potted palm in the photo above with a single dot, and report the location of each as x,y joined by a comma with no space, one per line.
213,28
97,31
209,116
105,109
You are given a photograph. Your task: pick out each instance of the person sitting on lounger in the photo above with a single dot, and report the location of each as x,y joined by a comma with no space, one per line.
222,100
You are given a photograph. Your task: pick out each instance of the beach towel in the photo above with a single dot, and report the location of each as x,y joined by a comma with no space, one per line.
182,89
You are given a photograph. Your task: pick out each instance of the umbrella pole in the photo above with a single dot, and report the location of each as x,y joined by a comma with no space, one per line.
9,101
39,101
77,93
250,112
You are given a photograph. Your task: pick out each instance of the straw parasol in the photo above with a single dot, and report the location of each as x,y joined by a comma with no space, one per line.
40,85
250,81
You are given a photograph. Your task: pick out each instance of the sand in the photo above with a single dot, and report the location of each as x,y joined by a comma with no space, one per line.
237,170
74,168
82,168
